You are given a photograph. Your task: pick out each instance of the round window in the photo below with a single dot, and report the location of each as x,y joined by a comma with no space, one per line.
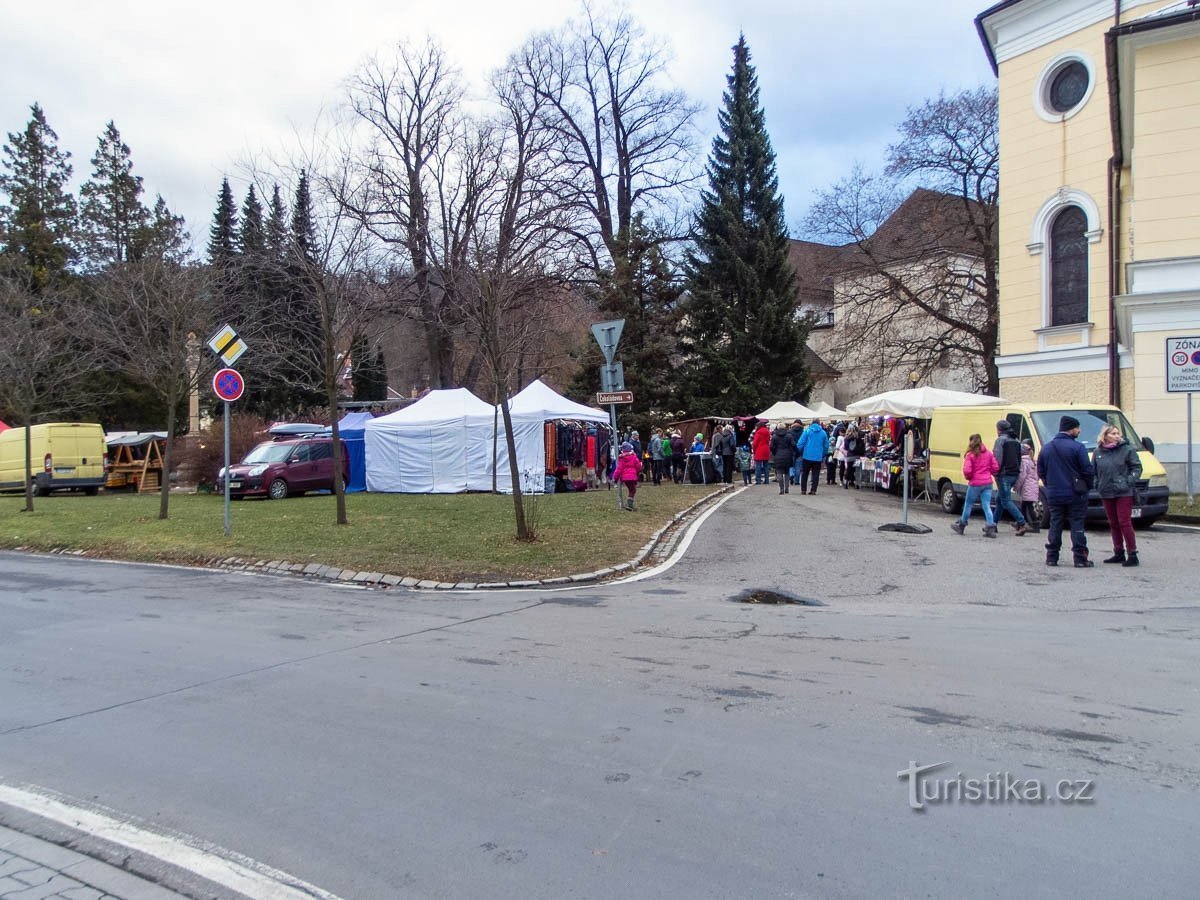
1068,86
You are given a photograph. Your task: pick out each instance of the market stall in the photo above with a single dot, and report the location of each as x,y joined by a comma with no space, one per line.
135,460
572,436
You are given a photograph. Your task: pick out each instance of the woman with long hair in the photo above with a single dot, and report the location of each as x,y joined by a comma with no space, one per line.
979,465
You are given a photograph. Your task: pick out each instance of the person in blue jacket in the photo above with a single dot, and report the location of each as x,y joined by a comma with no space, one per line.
1066,470
813,447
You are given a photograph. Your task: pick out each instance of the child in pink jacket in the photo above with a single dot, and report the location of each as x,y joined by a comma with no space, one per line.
979,465
1026,486
627,471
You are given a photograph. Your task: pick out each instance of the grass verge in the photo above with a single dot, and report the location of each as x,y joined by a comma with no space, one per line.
1178,506
460,537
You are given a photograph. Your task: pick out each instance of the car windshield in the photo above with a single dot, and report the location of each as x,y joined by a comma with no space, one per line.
1090,423
268,453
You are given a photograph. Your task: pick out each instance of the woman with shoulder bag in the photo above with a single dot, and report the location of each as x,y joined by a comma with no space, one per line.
1118,468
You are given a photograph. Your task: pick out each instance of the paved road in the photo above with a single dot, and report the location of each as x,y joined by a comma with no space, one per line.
646,739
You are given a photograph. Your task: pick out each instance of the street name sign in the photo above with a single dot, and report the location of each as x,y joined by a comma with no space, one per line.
613,398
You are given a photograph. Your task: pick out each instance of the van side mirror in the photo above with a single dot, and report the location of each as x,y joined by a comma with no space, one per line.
1148,444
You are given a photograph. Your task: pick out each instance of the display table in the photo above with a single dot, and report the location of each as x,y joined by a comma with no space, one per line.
699,469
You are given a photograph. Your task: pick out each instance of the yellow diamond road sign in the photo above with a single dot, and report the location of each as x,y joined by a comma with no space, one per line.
227,345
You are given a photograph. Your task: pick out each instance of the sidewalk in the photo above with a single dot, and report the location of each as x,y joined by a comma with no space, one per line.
32,869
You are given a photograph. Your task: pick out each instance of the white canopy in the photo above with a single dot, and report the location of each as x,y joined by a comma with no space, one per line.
442,444
788,410
538,399
919,403
825,411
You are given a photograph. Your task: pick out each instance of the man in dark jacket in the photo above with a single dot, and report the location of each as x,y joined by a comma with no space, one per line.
1007,451
1066,471
783,454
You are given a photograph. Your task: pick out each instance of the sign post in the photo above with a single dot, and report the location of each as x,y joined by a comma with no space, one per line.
228,385
1183,377
612,377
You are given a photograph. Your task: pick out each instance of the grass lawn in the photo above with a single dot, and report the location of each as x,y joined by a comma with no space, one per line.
1178,507
459,537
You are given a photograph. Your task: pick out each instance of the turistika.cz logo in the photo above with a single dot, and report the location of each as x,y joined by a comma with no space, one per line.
994,787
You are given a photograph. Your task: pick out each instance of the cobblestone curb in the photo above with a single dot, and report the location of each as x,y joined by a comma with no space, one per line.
384,580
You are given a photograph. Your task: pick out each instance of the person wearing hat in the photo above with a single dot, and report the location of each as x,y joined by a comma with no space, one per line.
1007,451
1067,472
783,455
626,473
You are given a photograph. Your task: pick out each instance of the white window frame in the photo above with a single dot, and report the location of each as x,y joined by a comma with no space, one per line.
1039,241
1041,87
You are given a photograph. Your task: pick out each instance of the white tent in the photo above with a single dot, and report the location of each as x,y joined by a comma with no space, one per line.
787,410
540,400
442,444
532,408
825,411
919,403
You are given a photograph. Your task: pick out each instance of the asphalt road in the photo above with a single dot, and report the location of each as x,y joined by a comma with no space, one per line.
654,738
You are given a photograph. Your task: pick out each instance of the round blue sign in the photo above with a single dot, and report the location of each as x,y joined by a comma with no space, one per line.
1196,358
228,385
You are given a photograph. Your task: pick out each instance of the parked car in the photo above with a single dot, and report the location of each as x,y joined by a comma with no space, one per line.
66,456
278,469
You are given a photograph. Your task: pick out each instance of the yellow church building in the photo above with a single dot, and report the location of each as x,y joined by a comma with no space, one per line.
1099,203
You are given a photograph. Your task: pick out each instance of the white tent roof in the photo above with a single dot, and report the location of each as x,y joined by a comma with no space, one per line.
825,411
787,409
438,407
919,403
540,400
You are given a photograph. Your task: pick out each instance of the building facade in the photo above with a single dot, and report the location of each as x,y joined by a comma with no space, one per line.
1099,203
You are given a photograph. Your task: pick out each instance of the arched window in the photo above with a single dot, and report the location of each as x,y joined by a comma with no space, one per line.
1069,267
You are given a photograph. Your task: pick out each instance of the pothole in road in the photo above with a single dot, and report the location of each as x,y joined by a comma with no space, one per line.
763,595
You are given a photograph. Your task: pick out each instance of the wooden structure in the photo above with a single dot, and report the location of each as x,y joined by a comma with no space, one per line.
136,461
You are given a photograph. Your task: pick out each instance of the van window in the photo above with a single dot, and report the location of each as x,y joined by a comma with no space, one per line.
1020,426
323,450
1090,423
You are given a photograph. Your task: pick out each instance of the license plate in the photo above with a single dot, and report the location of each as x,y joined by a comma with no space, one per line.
235,484
64,470
1135,513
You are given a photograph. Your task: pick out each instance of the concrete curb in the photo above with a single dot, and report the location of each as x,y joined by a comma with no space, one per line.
336,575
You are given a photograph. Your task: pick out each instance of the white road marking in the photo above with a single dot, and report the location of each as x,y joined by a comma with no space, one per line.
224,867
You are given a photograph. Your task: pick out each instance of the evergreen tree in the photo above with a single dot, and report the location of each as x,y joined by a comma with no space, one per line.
368,371
743,334
252,239
222,236
166,234
304,231
112,218
37,221
277,226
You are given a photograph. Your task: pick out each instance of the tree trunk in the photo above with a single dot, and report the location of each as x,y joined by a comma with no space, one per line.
523,533
339,486
164,488
28,464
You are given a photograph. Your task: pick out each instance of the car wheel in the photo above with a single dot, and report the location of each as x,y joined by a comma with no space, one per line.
949,499
278,489
92,491
1041,511
39,491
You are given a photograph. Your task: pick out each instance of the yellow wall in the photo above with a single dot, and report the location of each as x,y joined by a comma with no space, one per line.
1077,387
1164,202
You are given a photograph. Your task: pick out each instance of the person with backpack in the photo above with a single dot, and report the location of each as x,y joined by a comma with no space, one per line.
979,465
1118,468
1007,451
1066,470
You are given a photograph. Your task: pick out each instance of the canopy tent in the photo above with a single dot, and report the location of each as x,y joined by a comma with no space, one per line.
825,411
3,427
540,403
352,432
788,410
917,403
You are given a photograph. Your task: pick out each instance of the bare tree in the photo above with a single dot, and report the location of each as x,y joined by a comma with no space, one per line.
150,316
46,365
916,278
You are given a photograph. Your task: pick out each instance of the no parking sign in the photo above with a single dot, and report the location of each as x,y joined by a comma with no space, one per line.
228,384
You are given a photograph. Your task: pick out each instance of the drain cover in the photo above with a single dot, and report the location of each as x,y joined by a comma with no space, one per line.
763,595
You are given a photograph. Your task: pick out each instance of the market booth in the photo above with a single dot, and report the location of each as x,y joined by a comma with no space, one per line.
572,435
352,433
135,460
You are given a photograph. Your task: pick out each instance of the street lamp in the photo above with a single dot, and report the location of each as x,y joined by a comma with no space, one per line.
914,377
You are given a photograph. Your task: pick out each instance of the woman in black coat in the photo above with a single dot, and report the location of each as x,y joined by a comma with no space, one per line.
1118,468
783,454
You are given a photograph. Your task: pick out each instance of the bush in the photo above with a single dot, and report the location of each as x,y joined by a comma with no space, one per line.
201,455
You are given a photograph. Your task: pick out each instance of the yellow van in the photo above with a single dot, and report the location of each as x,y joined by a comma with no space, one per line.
951,426
64,456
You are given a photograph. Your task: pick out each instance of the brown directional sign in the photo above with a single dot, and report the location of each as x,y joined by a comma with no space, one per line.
614,397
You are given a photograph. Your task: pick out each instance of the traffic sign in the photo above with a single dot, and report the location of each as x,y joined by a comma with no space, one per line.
608,335
1183,365
612,378
227,345
228,385
613,398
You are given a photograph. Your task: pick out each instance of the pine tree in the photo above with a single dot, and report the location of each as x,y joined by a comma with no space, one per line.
277,226
252,239
304,231
746,342
166,234
368,371
112,217
37,222
222,236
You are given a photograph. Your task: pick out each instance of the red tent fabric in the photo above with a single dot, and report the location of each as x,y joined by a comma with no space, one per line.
3,427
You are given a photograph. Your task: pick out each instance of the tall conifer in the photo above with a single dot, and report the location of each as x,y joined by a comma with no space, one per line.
252,239
742,330
112,218
277,226
222,236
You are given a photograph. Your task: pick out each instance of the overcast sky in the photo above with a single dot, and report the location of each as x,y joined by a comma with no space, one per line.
197,88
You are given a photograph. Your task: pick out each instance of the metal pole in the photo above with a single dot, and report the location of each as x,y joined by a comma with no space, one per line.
616,443
228,529
908,448
1191,492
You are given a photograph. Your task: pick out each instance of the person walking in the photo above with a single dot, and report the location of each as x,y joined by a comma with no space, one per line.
1067,472
854,447
979,465
1027,487
795,432
629,467
656,455
783,454
1118,468
831,459
760,445
813,446
1007,451
678,456
729,452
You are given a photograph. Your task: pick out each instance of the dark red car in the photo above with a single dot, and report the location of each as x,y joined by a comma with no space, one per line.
277,469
